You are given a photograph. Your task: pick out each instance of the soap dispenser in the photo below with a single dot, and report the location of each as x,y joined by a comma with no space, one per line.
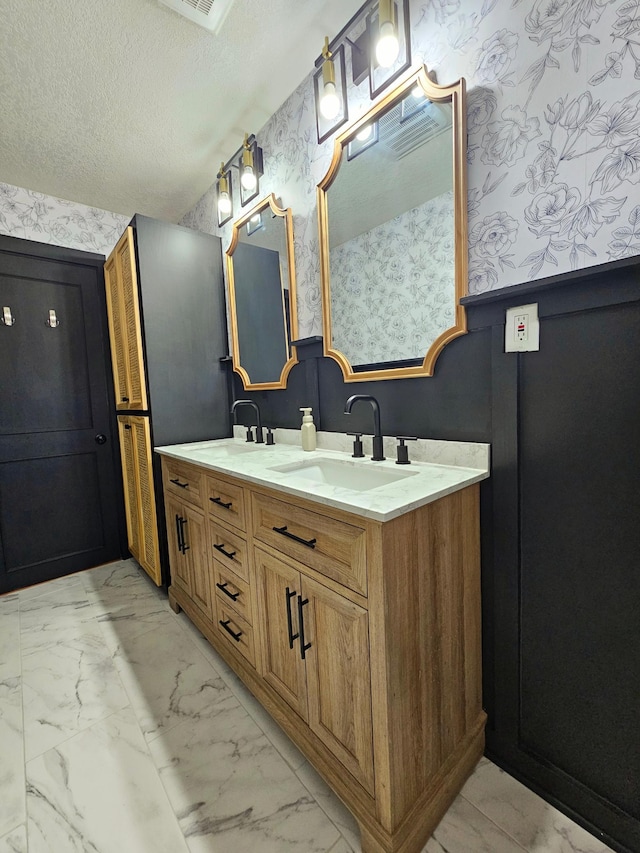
308,430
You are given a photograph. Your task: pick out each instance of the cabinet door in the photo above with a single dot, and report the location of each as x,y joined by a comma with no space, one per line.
195,543
278,586
117,331
128,457
339,677
179,562
149,557
124,325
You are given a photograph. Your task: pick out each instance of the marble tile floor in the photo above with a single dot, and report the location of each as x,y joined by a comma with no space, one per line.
122,731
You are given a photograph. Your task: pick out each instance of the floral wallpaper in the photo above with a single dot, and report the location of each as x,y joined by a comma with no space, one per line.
392,287
554,144
35,216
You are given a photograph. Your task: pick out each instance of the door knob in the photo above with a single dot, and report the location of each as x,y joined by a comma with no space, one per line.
101,439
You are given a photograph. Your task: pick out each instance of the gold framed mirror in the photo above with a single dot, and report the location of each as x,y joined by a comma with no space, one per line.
261,277
392,218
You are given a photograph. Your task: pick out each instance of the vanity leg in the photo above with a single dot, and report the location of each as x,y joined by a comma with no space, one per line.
370,844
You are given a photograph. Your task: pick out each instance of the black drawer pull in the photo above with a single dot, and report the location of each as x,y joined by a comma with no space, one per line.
220,502
303,646
292,636
233,634
178,483
124,399
229,554
232,595
310,543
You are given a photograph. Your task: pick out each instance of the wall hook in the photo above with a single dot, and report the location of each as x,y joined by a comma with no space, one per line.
53,321
7,318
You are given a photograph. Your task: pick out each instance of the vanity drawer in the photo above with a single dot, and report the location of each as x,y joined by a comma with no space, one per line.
225,501
232,592
235,631
183,481
229,549
333,548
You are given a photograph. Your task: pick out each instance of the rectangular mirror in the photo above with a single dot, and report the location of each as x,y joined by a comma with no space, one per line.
262,296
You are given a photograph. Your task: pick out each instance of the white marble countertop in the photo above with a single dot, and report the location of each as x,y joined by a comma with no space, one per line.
424,481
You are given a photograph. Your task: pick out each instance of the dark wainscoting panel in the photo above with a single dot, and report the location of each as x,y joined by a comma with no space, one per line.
562,603
452,404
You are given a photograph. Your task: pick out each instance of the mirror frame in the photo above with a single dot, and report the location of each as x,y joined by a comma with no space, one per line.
455,94
269,202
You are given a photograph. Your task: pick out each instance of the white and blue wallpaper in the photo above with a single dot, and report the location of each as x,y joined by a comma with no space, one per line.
45,219
554,144
392,287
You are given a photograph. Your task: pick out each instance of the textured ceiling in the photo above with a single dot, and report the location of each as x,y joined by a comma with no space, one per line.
127,106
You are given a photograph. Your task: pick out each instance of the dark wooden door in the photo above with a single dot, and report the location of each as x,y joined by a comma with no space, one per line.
59,491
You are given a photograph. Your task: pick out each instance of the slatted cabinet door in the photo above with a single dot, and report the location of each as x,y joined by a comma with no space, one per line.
125,328
117,331
128,456
278,586
140,502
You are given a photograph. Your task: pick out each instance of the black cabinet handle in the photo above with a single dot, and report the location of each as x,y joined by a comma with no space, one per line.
185,547
232,595
292,636
226,627
220,502
127,426
101,439
310,543
178,483
124,399
179,533
229,554
303,646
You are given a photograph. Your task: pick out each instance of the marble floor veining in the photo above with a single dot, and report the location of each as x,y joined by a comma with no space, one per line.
122,731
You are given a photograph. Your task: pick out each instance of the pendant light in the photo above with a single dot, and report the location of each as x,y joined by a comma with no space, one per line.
388,45
225,206
329,100
248,177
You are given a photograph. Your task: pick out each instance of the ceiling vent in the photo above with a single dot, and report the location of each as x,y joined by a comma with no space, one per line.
401,137
210,14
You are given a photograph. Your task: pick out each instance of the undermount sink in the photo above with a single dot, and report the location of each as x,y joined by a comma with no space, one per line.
221,451
343,474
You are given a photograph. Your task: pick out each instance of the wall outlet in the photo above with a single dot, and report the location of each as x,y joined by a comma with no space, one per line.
522,329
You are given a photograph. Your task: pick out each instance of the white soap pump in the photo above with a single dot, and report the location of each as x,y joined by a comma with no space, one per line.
308,430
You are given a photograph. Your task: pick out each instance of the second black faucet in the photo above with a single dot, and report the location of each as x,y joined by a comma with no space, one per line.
378,451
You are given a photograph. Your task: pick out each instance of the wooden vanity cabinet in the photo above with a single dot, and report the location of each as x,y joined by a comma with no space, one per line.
361,638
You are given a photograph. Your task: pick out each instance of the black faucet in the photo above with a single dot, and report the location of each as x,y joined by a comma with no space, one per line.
259,436
378,453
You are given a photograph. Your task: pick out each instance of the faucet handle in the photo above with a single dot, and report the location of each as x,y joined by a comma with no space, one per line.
249,434
358,452
402,450
270,438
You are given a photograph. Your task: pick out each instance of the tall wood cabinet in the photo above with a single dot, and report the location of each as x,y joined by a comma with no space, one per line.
361,638
167,327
